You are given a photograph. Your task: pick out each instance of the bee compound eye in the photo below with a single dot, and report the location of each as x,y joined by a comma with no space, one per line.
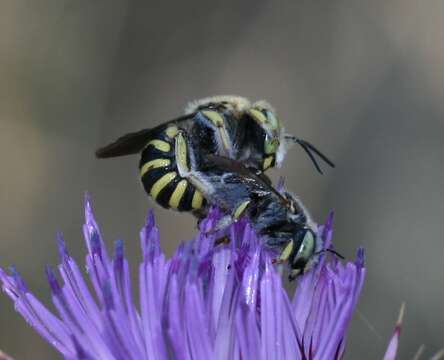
272,119
304,252
307,245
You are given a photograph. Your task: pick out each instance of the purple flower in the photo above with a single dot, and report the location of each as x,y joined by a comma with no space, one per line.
206,302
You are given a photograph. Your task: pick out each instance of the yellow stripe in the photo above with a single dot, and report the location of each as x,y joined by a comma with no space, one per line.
181,152
154,164
171,131
218,121
267,162
161,183
178,194
240,209
225,139
258,116
160,145
197,201
287,251
214,117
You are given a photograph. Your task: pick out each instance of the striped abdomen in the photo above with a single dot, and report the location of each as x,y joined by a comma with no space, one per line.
160,176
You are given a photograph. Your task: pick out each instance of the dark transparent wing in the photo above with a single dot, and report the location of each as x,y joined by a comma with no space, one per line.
133,143
243,174
128,144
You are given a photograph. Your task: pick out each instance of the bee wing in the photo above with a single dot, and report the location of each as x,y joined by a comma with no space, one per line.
133,143
256,182
128,144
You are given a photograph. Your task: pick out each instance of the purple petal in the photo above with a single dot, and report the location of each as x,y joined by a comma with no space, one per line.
392,347
46,324
206,302
271,315
200,345
92,232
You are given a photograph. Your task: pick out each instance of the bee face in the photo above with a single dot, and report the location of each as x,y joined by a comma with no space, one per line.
299,252
267,143
264,116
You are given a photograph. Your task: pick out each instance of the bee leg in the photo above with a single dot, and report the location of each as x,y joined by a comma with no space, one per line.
182,154
277,261
228,220
225,240
222,223
215,121
241,209
185,160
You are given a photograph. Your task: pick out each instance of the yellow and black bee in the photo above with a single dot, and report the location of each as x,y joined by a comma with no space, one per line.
228,126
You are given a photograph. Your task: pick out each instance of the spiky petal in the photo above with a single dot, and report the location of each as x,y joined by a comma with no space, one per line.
392,348
206,302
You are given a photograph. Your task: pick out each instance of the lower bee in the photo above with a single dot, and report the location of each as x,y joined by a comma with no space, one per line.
279,219
173,153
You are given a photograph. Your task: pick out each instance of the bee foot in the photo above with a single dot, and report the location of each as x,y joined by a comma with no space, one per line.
277,261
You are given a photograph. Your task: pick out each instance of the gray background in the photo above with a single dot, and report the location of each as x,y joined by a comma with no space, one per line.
363,80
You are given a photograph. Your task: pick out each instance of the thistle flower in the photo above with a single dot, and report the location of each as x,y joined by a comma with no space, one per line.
206,302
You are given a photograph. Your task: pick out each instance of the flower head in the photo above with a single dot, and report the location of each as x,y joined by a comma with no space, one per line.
206,302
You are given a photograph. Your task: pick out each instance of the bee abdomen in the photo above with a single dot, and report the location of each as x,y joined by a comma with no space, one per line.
160,176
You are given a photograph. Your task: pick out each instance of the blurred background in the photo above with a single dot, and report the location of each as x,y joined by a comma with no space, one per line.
364,81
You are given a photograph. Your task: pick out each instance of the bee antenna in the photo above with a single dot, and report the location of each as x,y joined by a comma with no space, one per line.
309,148
310,155
336,253
330,251
318,152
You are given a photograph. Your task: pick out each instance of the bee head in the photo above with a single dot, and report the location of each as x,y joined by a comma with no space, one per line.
299,252
265,116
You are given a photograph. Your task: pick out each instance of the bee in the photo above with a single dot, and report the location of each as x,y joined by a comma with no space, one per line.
280,220
172,153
